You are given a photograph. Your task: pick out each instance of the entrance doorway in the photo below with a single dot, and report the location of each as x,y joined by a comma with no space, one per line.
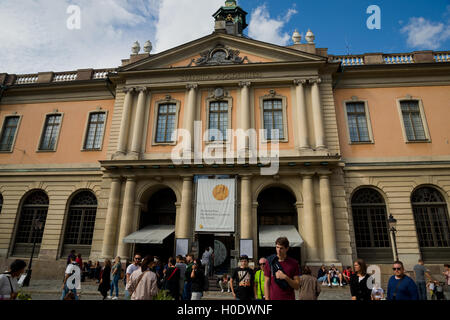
276,207
161,211
222,245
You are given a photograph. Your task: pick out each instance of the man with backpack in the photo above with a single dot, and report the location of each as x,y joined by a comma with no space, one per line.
244,279
281,273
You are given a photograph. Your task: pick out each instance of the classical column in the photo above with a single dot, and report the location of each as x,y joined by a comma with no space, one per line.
246,207
190,109
112,215
301,111
328,224
138,130
310,229
317,114
184,223
125,123
245,113
126,222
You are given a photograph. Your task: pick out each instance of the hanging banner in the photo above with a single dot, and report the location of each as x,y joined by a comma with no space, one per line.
215,205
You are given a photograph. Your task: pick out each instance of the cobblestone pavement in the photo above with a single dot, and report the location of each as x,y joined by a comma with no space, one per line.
51,290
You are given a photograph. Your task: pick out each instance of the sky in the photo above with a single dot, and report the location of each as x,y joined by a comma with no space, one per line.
62,35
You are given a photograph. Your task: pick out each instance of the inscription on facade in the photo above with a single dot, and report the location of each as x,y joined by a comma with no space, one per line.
221,76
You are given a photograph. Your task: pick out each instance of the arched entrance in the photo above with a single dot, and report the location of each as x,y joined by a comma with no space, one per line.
161,211
276,207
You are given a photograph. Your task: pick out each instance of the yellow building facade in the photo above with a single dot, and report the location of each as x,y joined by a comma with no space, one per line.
91,154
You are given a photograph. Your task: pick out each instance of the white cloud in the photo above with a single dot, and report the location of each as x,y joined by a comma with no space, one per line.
181,21
264,28
425,34
37,39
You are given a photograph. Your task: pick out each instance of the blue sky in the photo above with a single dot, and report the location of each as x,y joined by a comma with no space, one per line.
35,38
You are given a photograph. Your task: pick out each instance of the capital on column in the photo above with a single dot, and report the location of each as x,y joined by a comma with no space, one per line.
192,86
315,81
128,89
141,89
300,82
245,84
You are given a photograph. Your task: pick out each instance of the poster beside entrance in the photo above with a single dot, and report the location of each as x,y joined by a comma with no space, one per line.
215,205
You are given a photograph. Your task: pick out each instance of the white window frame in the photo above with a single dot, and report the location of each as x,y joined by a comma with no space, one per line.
15,134
43,128
274,96
86,128
167,100
369,123
229,100
422,116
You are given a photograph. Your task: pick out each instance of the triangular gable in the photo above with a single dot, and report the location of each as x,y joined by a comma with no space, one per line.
238,50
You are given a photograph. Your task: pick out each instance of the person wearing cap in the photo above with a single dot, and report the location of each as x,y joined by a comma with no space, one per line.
243,277
8,281
259,280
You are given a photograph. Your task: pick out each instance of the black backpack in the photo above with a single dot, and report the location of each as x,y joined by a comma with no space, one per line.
274,267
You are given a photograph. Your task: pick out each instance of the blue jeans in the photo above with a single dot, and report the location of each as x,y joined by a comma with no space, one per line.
187,293
66,291
322,279
115,284
422,288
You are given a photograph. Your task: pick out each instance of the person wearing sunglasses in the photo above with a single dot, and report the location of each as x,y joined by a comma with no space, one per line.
132,268
259,280
400,286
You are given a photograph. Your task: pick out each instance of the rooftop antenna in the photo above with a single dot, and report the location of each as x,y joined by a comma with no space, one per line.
347,46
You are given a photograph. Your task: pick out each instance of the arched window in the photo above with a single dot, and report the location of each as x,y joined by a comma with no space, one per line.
80,223
432,224
371,226
35,207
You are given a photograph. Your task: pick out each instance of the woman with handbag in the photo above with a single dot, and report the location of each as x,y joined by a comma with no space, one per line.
105,279
8,281
143,281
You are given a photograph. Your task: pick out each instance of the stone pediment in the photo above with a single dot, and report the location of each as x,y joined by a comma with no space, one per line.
221,49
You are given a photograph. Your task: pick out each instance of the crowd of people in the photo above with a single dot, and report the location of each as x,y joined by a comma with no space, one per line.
277,277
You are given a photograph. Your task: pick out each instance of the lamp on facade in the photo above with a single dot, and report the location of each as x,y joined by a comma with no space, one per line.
36,226
392,227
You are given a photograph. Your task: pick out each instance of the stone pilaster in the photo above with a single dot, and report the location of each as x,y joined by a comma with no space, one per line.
309,220
246,207
126,222
302,120
112,215
138,129
184,223
317,114
125,123
328,224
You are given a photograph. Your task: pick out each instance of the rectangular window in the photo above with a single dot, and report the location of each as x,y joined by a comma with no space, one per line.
8,133
166,123
95,130
273,118
51,132
218,119
357,122
412,120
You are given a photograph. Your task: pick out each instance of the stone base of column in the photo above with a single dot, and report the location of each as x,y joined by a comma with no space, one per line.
321,148
133,155
119,155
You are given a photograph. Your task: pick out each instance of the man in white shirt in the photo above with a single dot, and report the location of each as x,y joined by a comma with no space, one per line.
72,279
8,281
132,268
